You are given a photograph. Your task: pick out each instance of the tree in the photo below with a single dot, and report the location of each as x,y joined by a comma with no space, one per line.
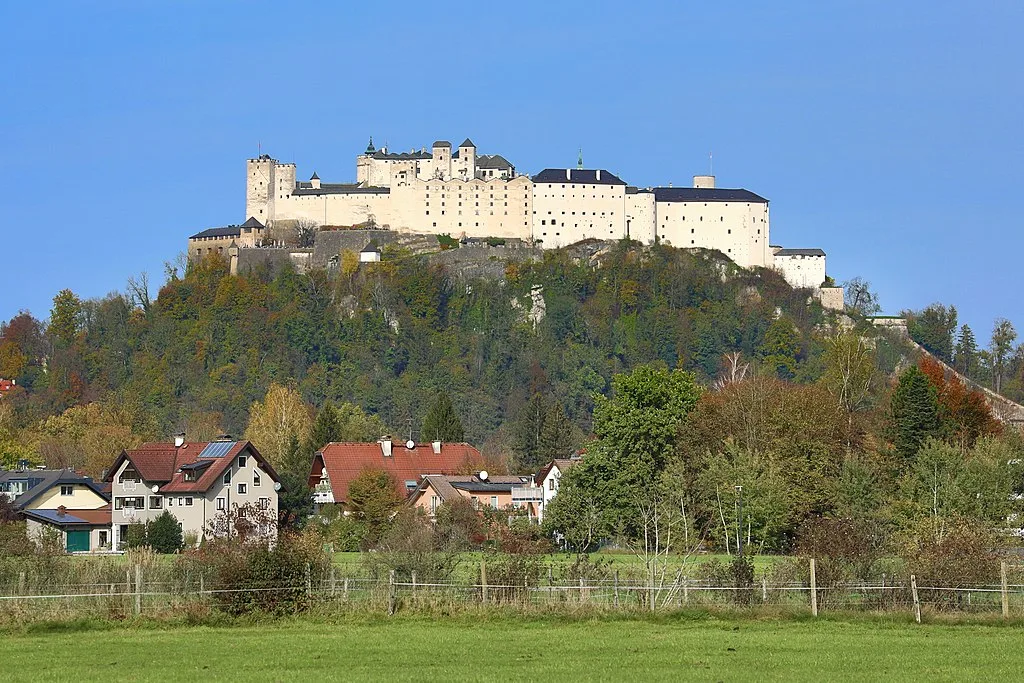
933,329
1000,348
557,438
965,415
849,374
373,498
914,408
859,298
274,421
305,233
65,317
965,355
163,534
779,350
442,423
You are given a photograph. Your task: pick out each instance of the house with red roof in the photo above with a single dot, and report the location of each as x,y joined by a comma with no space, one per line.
6,386
337,464
194,481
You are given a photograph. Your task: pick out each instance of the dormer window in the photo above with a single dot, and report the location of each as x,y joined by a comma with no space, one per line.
241,462
130,474
189,475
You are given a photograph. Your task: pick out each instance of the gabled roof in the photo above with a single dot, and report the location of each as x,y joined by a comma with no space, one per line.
98,517
584,176
467,143
706,194
447,487
492,161
371,247
346,461
561,463
251,222
229,230
165,465
441,143
314,176
41,481
800,252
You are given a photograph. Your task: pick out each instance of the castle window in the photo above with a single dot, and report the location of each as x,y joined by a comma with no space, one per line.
428,213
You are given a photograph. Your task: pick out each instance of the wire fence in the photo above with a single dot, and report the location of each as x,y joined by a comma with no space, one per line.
156,593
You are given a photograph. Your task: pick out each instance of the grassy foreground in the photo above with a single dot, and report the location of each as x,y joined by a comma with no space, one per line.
418,648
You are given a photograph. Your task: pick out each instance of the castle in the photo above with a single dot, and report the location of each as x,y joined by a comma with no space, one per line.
458,192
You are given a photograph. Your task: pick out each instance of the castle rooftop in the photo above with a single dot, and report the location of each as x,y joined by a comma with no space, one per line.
705,194
584,176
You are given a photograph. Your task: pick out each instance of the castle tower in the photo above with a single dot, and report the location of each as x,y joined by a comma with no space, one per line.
260,187
467,160
442,159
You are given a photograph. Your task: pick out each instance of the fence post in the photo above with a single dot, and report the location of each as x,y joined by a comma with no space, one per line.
138,589
483,580
21,583
392,593
345,588
917,602
764,589
686,590
202,585
814,590
616,591
309,582
582,590
414,586
1004,589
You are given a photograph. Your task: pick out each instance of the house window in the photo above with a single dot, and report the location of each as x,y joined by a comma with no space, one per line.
130,475
494,501
264,503
256,478
189,475
221,503
241,462
241,488
181,501
170,502
551,484
156,502
67,490
188,501
227,478
104,538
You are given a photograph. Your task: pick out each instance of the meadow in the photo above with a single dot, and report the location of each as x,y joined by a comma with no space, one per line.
691,646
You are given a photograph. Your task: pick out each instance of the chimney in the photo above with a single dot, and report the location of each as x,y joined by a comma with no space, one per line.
598,174
568,174
385,446
179,440
436,446
61,511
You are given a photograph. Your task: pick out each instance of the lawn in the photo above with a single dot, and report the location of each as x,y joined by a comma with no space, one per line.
418,648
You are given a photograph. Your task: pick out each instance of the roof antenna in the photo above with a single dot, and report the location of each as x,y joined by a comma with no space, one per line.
579,160
711,164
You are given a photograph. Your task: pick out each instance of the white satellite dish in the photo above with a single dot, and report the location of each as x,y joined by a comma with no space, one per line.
483,475
410,444
155,488
277,486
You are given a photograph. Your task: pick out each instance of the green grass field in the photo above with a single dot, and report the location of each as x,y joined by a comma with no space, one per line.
520,648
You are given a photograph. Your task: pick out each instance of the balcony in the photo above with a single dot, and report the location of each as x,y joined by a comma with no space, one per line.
527,494
322,494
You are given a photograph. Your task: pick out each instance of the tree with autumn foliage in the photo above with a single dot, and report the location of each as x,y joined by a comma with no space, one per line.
964,413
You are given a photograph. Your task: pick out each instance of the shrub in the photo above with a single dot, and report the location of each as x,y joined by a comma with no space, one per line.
843,549
163,534
411,544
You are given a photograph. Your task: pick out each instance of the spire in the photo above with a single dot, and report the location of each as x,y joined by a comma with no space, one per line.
579,160
370,148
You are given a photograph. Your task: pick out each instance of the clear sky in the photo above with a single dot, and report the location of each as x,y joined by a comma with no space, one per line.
887,133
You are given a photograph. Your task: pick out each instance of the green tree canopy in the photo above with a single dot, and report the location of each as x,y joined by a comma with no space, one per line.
442,422
915,412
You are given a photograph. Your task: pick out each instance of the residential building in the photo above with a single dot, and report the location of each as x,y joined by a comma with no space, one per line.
7,386
64,500
482,490
336,465
195,482
547,479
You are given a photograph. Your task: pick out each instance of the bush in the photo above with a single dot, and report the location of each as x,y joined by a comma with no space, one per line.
412,544
843,549
163,534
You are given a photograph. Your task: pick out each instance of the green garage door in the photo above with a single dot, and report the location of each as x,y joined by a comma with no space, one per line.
78,541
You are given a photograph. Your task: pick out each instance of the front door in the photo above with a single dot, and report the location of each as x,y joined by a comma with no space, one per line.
78,542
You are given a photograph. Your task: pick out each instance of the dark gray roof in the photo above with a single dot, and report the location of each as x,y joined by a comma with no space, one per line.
371,246
467,143
492,161
302,188
799,252
705,194
252,223
441,143
402,156
40,481
314,176
584,176
228,231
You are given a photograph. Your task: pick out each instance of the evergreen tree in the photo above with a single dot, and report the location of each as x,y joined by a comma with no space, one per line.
295,500
1003,336
965,359
933,329
780,348
556,439
163,534
65,317
528,430
326,428
442,423
915,412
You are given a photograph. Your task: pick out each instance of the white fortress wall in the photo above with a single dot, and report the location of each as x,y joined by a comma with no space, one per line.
640,215
570,205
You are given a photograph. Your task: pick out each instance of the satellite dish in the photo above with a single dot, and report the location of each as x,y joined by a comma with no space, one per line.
277,486
483,475
410,444
155,488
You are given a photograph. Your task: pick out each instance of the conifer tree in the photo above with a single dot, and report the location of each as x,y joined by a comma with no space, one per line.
915,412
326,428
442,423
966,354
556,439
528,430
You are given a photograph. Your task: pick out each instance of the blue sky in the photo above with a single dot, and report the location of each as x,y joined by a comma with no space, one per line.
887,133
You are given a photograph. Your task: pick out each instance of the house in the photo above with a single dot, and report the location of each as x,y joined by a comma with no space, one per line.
547,478
71,503
194,481
482,489
6,386
370,253
337,464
